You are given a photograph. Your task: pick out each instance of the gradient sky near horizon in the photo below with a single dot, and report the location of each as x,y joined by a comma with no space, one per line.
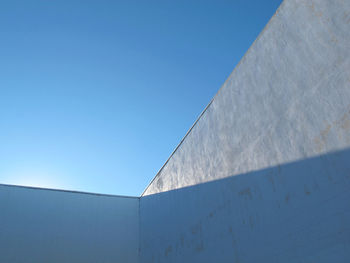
95,95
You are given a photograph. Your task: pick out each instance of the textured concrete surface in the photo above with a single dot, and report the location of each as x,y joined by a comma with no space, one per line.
287,100
262,176
59,226
296,212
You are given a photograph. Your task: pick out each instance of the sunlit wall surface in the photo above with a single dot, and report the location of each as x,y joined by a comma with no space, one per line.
263,176
287,100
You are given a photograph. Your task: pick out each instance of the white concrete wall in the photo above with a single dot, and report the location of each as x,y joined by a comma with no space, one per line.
60,226
293,213
264,174
288,99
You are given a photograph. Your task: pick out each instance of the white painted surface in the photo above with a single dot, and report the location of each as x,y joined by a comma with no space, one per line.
58,226
293,213
264,175
288,99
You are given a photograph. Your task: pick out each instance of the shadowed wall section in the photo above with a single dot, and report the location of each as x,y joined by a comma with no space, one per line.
263,175
59,226
297,212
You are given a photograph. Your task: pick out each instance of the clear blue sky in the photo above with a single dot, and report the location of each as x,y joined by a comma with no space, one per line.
95,95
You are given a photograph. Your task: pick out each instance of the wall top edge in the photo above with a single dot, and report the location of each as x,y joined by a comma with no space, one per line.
212,100
66,191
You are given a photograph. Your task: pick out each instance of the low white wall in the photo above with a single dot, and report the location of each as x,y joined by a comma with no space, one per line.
263,176
60,226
